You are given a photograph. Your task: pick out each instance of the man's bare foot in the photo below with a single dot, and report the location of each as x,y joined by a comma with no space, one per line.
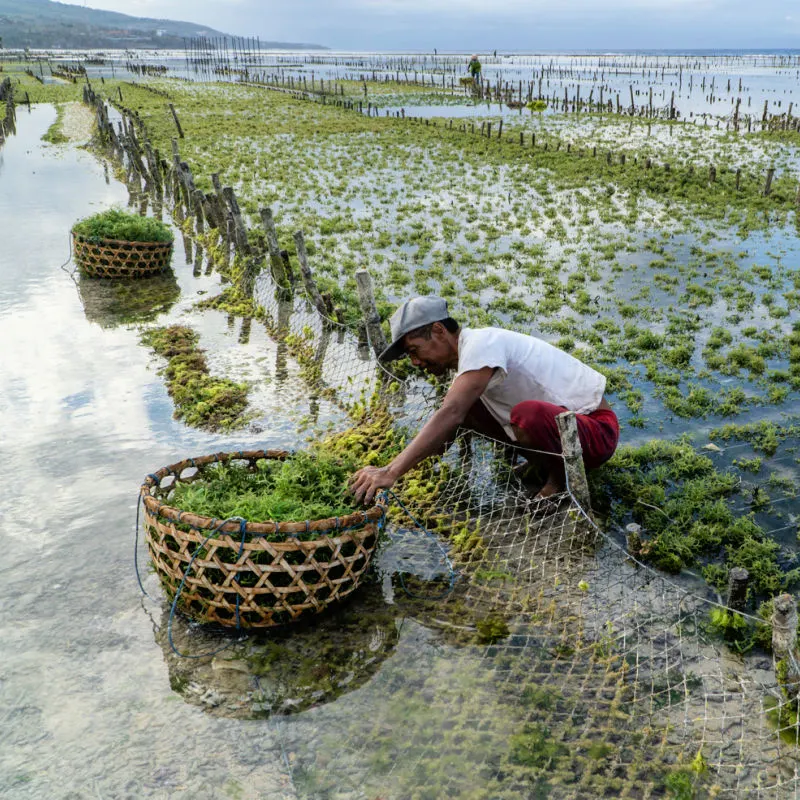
549,489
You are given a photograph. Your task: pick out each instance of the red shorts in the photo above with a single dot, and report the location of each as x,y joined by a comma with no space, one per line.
598,431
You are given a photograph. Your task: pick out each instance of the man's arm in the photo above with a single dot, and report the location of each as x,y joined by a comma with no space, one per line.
460,397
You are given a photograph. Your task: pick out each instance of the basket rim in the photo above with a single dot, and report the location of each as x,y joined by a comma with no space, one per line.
99,240
155,506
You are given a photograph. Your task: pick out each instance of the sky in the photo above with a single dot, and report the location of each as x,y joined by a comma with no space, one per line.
489,24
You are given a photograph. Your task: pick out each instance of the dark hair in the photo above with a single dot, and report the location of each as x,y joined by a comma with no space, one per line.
425,331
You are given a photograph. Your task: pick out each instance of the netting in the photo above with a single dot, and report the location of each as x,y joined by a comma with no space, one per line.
560,666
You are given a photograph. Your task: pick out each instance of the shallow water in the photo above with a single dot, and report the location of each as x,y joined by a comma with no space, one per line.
87,705
704,83
94,701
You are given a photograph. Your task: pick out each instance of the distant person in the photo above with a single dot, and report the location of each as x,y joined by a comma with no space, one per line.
508,386
474,69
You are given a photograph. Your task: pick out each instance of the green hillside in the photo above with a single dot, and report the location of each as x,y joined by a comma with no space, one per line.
50,25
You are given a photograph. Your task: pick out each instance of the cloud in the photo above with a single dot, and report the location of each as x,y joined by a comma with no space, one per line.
508,24
511,7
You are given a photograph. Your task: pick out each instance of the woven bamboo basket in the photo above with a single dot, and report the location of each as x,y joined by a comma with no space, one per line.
111,258
240,577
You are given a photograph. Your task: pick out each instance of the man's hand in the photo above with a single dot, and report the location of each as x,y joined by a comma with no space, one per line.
366,482
464,392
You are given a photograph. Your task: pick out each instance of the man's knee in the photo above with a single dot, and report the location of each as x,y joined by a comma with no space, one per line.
534,424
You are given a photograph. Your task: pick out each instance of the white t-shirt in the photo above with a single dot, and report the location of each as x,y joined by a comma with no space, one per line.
527,369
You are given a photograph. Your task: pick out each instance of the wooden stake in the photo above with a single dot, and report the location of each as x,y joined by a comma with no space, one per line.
239,230
197,202
633,539
276,262
768,181
737,588
784,625
372,320
175,117
573,459
308,279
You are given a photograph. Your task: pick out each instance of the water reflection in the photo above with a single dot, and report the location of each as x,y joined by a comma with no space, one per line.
313,662
286,670
285,308
110,302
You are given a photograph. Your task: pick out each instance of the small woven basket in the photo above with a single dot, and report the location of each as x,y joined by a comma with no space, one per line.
240,578
111,258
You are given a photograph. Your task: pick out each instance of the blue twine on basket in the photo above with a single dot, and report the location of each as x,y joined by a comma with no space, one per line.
238,578
174,607
136,552
452,572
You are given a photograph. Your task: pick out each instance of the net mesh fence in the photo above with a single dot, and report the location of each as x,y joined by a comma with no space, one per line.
560,666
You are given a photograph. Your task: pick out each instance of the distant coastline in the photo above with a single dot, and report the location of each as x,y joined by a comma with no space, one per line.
47,25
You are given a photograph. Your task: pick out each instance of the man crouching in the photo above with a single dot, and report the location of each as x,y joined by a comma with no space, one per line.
507,386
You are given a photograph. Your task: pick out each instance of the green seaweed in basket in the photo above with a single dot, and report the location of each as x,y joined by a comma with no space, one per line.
122,226
303,487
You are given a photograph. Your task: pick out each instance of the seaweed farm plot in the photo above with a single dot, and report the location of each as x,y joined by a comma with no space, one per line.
632,268
562,693
678,287
521,655
529,654
642,84
699,143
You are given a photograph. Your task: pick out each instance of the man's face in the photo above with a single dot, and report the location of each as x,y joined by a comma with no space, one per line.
432,354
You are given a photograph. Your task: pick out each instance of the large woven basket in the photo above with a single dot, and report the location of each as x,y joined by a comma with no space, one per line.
111,258
239,577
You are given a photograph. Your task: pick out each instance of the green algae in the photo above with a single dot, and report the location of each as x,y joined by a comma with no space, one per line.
492,629
122,226
535,747
304,486
55,133
201,400
678,496
764,436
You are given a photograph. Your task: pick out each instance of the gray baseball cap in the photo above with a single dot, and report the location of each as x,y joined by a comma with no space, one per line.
411,315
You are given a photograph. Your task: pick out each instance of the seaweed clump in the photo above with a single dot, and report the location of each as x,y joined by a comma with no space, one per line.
303,486
201,400
122,226
679,498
